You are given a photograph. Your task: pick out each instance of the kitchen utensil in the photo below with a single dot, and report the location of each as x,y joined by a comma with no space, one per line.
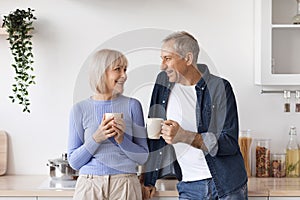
61,170
3,152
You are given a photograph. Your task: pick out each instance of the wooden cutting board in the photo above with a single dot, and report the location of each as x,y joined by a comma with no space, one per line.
3,152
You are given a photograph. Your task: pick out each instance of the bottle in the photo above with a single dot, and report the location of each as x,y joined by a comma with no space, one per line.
296,18
292,155
287,105
245,141
297,105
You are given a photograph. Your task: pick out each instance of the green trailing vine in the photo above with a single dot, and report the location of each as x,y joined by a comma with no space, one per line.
19,26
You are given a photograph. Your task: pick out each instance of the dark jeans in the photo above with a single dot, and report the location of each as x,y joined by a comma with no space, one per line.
205,190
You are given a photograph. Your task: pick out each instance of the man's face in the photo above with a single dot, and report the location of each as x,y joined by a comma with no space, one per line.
172,63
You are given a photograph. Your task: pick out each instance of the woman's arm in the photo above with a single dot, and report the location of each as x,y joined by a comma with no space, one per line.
79,151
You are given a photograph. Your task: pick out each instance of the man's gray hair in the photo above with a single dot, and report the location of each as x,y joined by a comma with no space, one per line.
184,43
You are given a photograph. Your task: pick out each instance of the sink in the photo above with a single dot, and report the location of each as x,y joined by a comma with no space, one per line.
50,184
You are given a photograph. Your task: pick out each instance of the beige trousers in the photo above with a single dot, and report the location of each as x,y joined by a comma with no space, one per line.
108,187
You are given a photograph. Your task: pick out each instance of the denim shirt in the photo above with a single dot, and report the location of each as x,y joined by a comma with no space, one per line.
217,122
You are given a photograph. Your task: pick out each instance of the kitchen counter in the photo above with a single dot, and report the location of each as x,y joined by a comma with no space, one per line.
32,185
28,185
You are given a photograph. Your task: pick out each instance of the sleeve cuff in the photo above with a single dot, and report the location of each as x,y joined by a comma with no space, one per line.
91,145
125,144
211,143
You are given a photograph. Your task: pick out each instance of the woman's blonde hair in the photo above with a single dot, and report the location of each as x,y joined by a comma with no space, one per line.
100,61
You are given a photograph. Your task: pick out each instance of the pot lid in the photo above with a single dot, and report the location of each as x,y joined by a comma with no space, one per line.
62,160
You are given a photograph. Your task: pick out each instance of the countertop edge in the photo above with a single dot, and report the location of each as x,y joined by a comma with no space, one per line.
29,186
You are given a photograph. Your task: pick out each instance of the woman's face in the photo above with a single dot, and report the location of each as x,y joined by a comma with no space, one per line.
115,78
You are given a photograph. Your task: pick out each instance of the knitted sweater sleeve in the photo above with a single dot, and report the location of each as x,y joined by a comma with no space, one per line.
79,151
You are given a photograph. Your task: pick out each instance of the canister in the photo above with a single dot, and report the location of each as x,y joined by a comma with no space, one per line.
245,141
262,157
278,165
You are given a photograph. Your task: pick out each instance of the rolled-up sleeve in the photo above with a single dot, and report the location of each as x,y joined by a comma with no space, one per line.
211,143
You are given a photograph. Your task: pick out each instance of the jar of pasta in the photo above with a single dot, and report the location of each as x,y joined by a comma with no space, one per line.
245,141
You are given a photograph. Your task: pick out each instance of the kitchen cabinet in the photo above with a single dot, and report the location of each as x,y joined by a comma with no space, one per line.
36,198
18,198
54,198
176,198
284,198
277,43
155,198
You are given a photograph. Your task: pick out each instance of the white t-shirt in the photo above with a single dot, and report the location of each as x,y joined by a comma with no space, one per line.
181,108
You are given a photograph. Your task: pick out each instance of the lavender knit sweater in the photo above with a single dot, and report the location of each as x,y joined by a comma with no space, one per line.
107,157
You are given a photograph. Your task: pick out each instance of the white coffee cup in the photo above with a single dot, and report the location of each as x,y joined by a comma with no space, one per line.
154,127
111,115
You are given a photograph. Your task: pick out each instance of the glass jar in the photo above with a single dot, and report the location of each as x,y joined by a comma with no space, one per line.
278,165
245,141
297,100
296,18
287,104
262,157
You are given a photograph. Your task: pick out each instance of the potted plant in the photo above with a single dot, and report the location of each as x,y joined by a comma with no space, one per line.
18,25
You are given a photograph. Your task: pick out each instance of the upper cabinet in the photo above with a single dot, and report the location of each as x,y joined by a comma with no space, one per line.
277,42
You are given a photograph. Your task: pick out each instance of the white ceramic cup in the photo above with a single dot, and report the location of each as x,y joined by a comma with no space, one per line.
115,115
154,127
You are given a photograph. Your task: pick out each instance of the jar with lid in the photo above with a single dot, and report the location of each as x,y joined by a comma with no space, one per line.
292,155
287,105
297,99
262,157
245,141
296,18
278,165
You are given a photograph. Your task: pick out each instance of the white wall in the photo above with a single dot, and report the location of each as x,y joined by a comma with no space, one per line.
67,31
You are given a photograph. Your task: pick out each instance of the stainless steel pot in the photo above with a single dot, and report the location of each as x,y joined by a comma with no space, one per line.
61,170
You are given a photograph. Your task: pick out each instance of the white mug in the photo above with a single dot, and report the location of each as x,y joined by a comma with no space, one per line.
154,127
115,115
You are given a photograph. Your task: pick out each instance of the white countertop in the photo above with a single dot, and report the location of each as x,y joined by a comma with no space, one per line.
40,185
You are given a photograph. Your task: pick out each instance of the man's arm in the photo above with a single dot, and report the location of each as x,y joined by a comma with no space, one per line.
172,133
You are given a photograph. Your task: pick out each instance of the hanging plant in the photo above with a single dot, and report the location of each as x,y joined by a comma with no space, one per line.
19,26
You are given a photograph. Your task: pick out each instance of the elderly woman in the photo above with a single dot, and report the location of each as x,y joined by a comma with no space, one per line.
107,150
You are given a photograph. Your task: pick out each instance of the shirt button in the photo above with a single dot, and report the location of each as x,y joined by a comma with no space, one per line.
160,153
163,101
156,169
202,88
